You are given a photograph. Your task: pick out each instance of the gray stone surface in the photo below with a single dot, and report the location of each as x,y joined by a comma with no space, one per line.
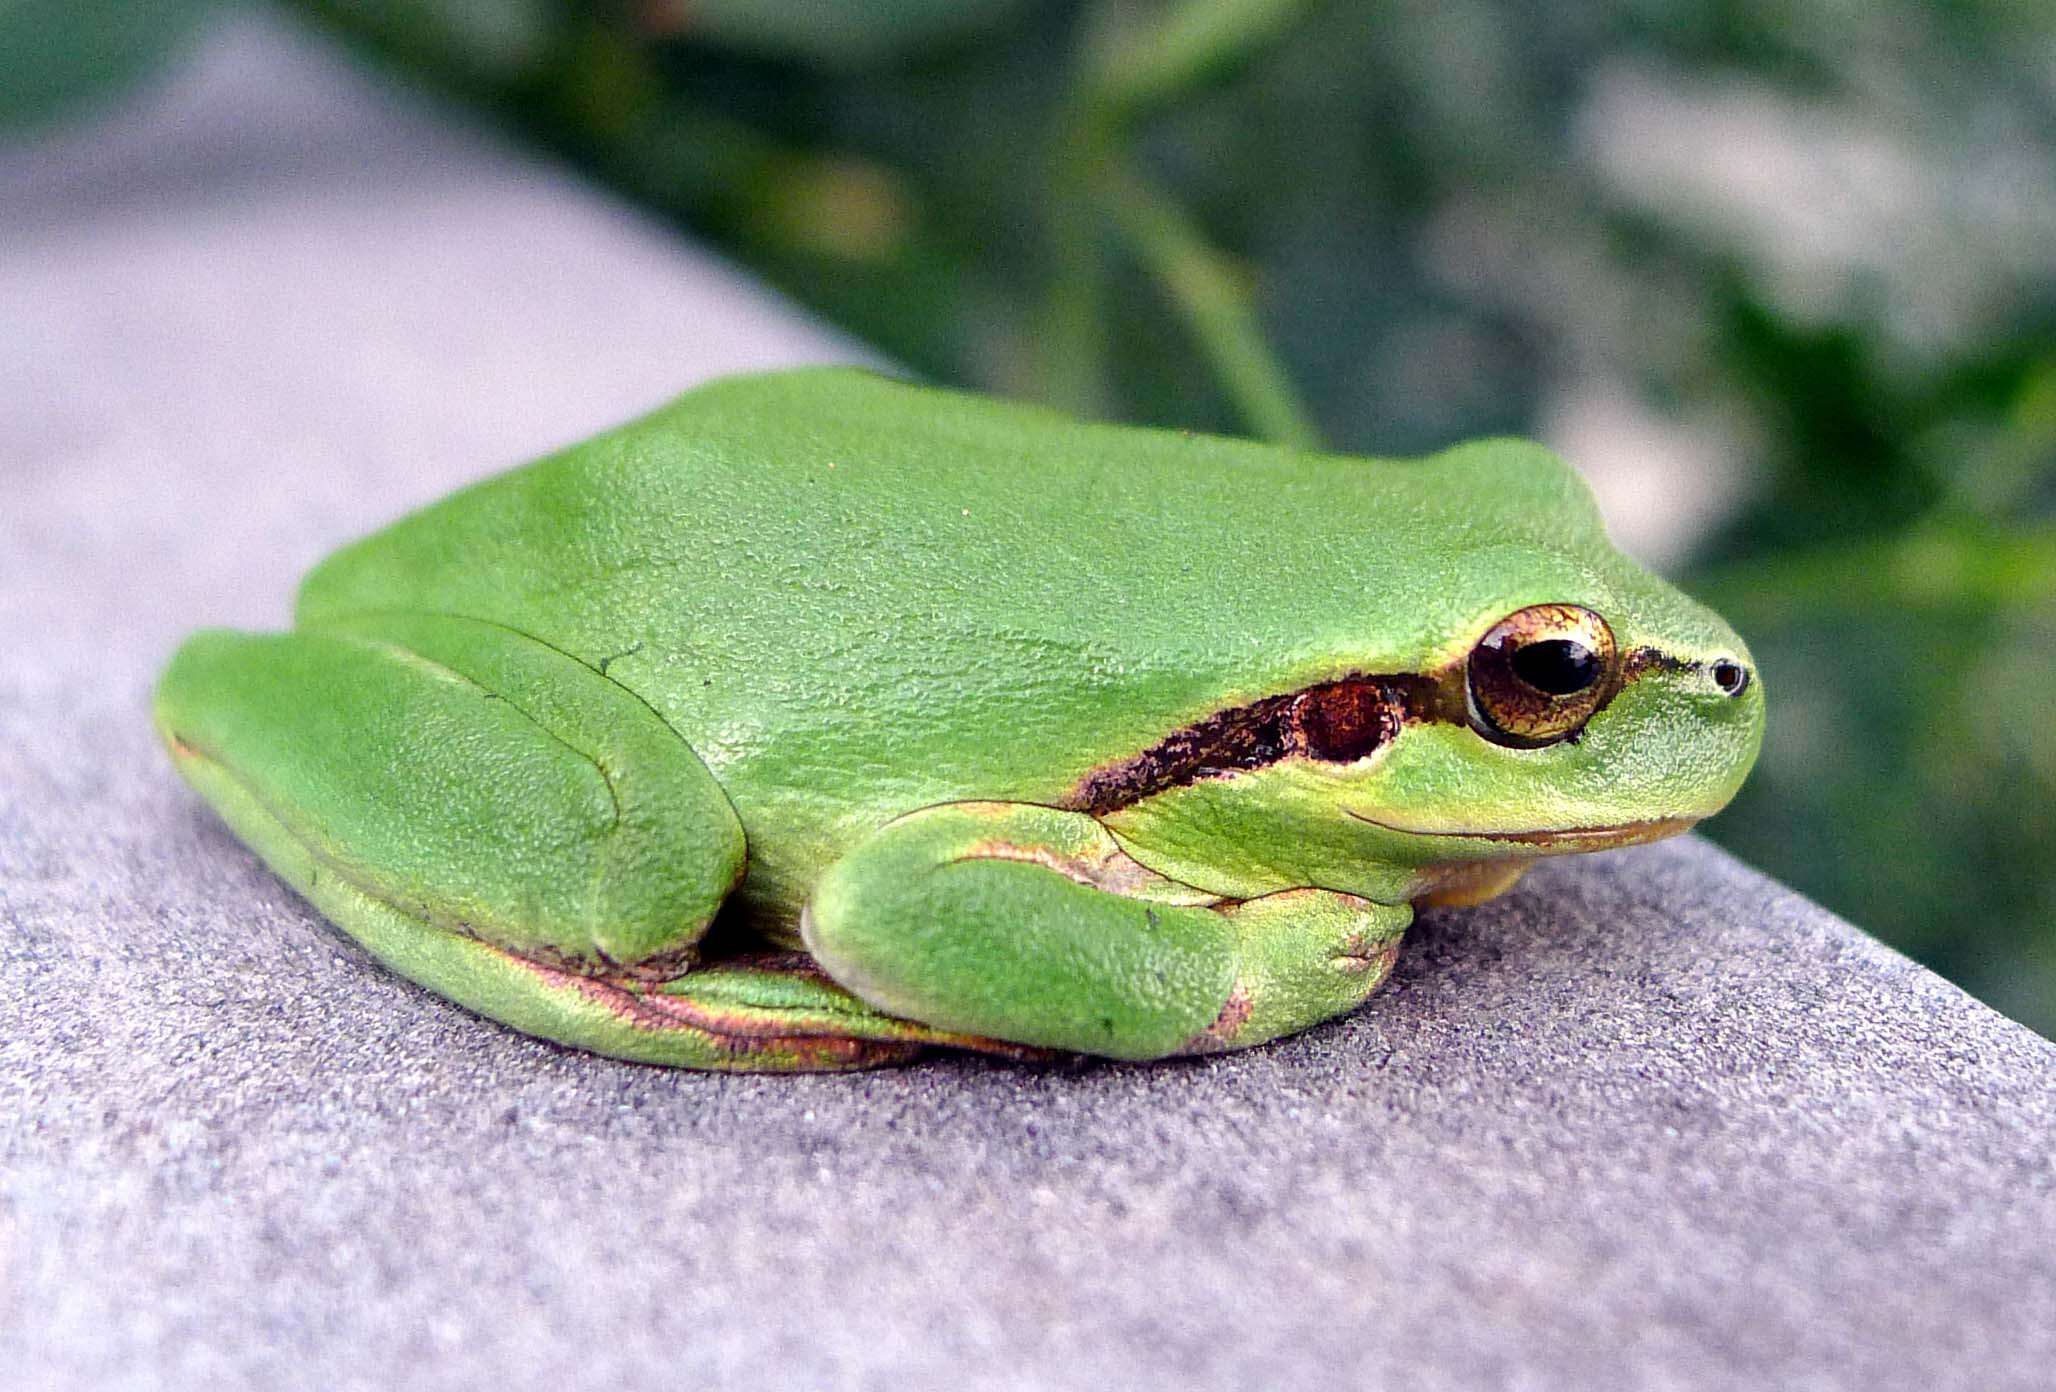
1652,1121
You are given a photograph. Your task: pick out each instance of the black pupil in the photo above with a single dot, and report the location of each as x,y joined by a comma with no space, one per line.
1558,666
1730,677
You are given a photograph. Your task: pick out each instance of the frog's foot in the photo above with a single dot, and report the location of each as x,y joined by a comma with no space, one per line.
1029,923
780,1011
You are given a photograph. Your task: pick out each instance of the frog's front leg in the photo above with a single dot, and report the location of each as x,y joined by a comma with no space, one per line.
1030,923
508,827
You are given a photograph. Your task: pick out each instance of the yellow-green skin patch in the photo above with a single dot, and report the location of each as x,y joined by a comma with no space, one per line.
820,645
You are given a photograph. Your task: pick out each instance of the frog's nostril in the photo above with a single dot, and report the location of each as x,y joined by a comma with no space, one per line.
1730,676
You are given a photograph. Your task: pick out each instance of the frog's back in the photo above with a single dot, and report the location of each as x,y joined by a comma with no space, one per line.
812,570
799,501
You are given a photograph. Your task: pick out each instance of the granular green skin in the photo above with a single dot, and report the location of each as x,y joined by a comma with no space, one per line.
860,661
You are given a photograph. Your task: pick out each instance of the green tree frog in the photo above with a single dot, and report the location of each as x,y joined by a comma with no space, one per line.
818,719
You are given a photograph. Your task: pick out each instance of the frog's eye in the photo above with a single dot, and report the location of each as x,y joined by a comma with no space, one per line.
1539,674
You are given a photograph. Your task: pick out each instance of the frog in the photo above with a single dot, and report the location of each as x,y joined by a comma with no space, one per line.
820,720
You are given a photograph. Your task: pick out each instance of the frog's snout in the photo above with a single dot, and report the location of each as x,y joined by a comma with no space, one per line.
1730,698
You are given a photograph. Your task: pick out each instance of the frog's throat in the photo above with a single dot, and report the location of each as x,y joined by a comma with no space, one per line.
1337,721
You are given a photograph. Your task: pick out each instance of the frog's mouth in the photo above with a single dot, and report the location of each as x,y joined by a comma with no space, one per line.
1596,838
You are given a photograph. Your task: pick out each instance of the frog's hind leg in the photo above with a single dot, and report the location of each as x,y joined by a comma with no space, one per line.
507,827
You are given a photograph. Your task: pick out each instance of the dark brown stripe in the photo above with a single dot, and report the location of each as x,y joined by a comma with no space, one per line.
1338,721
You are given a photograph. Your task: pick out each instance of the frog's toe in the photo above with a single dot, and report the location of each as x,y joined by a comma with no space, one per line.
781,1008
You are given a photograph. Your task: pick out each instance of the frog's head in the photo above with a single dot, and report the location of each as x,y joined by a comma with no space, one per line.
1543,694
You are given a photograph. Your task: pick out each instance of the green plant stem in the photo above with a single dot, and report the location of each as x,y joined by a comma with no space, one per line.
1121,76
1210,292
1934,566
1072,348
1201,41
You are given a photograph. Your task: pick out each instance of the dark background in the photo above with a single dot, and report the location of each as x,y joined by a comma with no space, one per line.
1780,277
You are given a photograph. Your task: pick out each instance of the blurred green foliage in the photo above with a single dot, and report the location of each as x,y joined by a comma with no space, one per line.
58,56
1815,240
